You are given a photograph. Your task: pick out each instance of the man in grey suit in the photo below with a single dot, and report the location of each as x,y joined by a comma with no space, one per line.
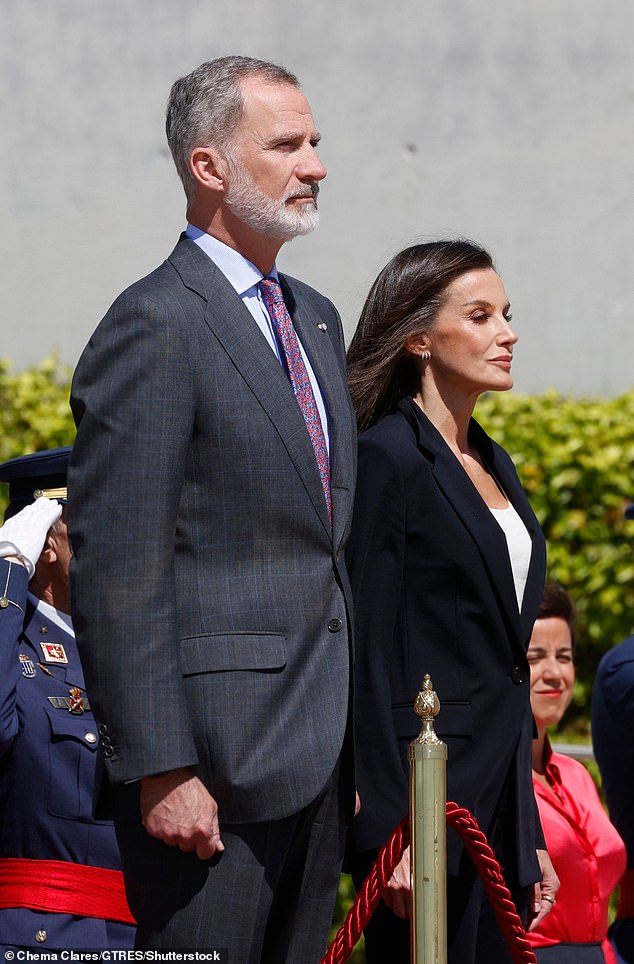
212,482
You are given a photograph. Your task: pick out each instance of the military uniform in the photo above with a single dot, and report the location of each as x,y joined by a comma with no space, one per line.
60,881
49,766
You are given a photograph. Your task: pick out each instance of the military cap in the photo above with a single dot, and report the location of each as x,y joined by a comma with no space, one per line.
38,474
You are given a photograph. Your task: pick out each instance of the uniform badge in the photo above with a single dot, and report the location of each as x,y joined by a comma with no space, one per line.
75,702
28,668
53,653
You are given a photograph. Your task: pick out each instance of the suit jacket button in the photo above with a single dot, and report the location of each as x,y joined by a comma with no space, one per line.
516,675
335,625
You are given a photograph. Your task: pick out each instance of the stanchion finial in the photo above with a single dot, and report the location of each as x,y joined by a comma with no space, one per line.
427,706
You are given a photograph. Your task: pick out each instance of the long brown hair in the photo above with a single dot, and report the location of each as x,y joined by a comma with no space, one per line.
403,302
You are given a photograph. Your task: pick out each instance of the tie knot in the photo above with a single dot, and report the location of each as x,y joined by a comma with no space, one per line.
271,291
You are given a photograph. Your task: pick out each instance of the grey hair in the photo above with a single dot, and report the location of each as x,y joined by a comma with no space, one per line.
204,107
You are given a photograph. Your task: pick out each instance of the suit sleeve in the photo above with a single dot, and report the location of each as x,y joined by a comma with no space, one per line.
375,559
617,683
13,588
133,402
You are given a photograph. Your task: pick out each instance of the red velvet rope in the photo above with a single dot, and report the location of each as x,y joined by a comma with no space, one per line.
388,857
368,895
487,865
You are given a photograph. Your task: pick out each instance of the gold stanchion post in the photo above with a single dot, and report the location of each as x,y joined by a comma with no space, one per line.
428,830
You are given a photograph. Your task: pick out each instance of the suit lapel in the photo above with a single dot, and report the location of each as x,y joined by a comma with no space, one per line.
477,518
510,483
44,637
245,344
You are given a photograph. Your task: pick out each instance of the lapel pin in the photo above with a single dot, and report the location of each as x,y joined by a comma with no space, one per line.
322,326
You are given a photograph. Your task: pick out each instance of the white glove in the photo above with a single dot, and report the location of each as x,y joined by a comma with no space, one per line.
24,534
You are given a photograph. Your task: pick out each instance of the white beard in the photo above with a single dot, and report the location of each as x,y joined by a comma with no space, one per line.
274,218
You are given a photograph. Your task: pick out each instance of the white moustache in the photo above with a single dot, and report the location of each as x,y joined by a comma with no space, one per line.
311,190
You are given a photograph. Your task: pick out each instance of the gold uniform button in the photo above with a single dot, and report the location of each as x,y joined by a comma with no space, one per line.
41,936
91,737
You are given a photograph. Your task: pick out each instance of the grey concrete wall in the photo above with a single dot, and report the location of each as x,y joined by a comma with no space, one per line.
510,122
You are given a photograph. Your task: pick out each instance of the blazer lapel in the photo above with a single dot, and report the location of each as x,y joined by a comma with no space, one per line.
471,508
245,344
55,649
513,488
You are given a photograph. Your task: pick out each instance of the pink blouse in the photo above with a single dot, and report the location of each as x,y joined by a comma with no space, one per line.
587,853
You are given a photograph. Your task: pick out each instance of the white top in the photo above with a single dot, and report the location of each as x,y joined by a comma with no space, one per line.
519,545
245,277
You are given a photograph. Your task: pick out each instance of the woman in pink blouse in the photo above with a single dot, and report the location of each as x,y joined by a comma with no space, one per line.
586,850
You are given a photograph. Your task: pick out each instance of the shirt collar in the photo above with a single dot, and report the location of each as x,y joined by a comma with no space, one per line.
238,270
63,620
551,769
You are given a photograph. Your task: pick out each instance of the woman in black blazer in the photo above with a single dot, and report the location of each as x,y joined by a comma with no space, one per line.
447,564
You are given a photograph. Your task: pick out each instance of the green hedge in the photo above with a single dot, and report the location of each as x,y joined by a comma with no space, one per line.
575,458
34,412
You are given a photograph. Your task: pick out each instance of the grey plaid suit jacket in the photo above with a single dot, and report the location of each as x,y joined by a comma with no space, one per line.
210,598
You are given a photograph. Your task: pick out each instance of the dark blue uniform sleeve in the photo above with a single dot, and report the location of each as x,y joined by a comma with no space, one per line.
13,589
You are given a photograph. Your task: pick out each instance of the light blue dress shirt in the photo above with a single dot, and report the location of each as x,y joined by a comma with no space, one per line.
245,277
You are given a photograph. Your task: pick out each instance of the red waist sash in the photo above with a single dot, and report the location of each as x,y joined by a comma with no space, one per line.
626,896
63,887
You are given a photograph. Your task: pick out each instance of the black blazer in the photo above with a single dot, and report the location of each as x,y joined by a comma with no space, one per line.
433,592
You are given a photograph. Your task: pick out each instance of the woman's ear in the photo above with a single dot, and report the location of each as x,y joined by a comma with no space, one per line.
417,345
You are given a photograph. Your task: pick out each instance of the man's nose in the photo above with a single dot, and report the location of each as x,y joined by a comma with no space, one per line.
310,167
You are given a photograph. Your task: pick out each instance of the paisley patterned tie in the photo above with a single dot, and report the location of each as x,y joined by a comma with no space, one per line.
278,313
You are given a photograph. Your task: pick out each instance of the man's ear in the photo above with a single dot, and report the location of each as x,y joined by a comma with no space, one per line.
209,168
49,552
